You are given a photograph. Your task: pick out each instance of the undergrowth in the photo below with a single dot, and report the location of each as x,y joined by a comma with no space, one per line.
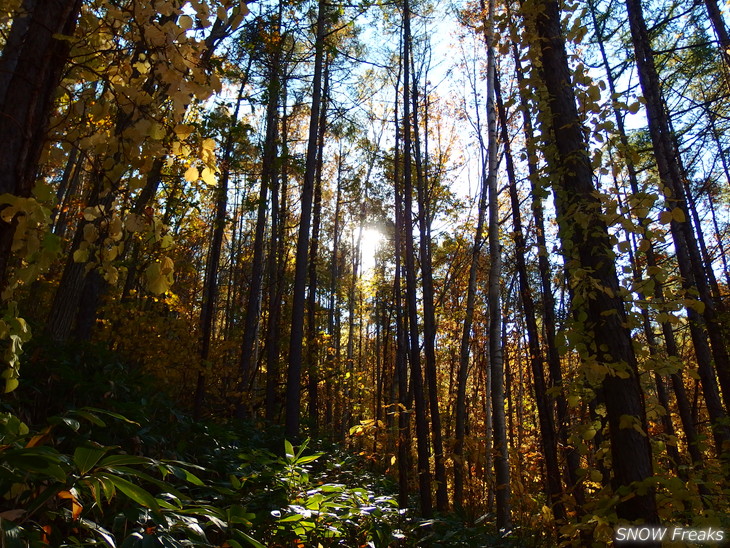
93,454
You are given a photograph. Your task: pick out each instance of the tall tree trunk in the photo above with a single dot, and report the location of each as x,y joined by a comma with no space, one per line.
312,348
401,353
496,363
333,305
31,66
294,372
718,25
549,322
466,336
424,473
268,176
429,313
277,266
543,400
671,346
688,255
587,249
212,265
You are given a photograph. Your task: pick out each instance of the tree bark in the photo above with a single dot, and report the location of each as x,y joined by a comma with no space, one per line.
703,325
212,265
588,252
31,67
543,400
429,313
294,372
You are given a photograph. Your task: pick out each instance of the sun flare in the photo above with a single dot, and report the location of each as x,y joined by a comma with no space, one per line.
371,241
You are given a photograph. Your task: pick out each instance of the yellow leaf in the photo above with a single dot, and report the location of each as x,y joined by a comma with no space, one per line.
678,215
93,213
167,266
185,22
10,385
191,175
81,255
8,213
90,233
157,131
157,282
208,144
209,177
183,131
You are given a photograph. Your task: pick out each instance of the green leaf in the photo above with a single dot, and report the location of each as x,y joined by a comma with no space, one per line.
73,424
39,460
11,384
86,457
165,486
250,539
134,492
98,529
186,475
308,458
12,534
111,414
122,460
91,417
289,449
294,517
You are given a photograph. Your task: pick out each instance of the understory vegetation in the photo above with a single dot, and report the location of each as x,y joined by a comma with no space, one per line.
118,464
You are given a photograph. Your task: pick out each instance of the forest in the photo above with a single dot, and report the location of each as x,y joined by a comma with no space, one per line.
297,273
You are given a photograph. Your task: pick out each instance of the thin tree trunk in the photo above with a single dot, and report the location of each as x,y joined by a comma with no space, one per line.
496,364
429,313
294,372
466,335
424,474
210,285
268,175
312,344
277,265
542,399
688,255
718,25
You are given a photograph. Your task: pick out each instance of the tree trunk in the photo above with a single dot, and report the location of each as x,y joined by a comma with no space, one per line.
268,176
312,348
277,265
718,25
429,314
542,399
549,322
424,474
496,363
294,372
466,335
210,285
688,255
587,250
31,66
